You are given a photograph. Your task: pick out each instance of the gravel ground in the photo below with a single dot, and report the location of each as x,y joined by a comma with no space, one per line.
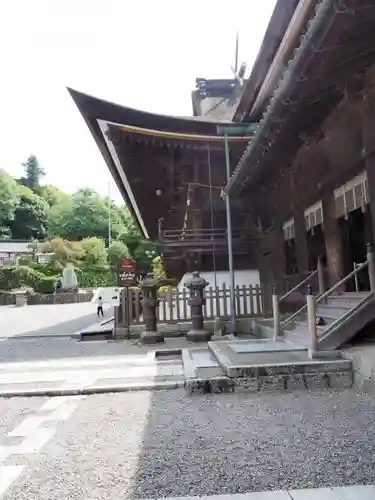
13,411
161,444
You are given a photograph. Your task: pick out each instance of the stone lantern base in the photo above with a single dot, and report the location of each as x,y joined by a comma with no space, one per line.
150,338
198,336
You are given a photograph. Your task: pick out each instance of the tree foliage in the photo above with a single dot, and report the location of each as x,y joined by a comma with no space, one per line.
117,252
33,173
30,216
85,214
9,201
73,228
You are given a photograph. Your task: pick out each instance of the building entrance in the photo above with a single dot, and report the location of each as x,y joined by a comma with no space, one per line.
353,237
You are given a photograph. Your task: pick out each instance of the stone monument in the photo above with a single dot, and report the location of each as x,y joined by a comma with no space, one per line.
69,281
196,286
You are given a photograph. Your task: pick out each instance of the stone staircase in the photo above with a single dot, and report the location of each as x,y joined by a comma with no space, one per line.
340,317
255,365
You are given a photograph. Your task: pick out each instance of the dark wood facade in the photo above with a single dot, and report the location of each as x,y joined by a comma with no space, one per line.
303,186
170,172
309,173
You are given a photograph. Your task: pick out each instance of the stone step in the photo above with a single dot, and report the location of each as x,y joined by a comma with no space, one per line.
200,363
251,370
350,295
333,311
297,338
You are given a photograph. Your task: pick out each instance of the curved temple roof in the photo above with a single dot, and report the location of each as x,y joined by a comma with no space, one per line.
101,116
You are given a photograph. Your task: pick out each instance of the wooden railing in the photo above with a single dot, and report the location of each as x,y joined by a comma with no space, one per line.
203,237
173,304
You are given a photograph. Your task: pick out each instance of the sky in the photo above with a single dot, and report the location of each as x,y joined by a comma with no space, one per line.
143,54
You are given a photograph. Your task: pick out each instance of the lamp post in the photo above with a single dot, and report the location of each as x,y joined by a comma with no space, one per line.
225,132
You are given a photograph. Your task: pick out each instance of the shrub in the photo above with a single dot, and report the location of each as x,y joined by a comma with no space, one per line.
47,284
52,268
18,277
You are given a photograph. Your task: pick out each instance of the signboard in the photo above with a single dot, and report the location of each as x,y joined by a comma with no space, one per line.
127,273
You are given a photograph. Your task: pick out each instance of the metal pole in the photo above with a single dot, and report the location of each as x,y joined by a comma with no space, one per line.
276,314
109,215
230,247
371,266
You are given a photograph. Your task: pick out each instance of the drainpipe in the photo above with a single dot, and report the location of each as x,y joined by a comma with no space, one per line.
296,68
279,62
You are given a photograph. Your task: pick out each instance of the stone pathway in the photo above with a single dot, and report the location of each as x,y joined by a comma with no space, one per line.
44,320
345,493
89,375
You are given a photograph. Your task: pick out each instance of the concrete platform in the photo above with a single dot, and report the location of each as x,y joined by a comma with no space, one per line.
254,364
251,366
200,363
264,345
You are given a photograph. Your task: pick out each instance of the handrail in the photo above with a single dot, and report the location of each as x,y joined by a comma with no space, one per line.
342,281
341,319
286,295
327,293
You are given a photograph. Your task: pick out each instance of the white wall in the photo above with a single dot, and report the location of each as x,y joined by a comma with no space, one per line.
246,277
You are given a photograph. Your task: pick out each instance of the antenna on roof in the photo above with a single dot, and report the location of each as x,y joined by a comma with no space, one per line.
236,55
238,73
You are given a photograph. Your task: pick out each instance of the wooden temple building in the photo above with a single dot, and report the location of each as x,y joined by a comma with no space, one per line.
302,184
171,172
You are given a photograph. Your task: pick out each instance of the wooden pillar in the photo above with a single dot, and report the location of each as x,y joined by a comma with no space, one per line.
301,244
333,241
368,150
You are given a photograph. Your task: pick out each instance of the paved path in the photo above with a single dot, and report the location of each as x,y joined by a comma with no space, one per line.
163,444
89,375
52,319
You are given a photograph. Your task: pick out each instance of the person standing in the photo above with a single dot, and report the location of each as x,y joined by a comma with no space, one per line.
99,306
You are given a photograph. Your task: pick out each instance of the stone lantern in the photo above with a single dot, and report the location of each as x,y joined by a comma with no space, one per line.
150,286
196,286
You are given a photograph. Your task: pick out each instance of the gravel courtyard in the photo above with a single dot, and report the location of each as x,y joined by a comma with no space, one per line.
160,444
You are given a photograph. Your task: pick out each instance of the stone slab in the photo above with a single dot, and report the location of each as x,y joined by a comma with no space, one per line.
260,345
255,364
200,363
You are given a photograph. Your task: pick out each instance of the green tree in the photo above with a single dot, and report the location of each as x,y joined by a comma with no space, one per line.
33,174
63,250
30,217
53,195
83,215
9,201
94,251
117,251
141,250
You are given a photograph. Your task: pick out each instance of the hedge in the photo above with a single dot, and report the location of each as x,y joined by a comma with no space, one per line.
96,276
19,276
42,278
47,284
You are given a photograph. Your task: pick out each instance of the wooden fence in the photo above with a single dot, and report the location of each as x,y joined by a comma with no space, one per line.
173,305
